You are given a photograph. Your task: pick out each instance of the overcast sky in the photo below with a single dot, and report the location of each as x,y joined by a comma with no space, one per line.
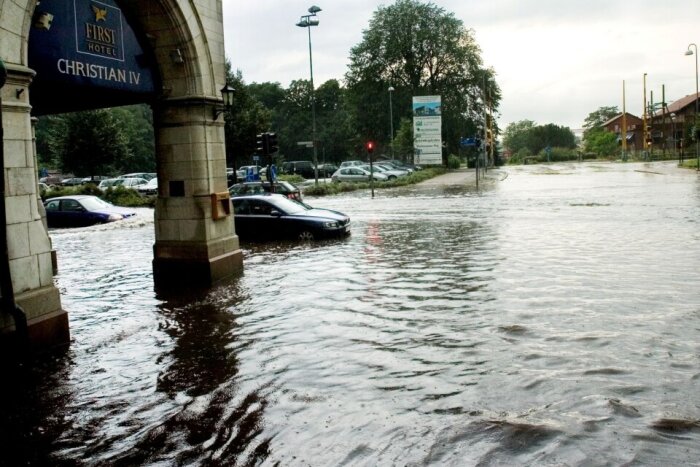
556,61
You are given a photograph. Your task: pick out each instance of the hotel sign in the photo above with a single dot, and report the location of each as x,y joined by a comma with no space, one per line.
76,45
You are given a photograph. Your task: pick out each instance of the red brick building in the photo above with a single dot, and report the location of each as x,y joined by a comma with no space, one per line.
634,131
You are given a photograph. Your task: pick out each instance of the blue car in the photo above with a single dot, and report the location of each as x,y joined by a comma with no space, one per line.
81,211
275,217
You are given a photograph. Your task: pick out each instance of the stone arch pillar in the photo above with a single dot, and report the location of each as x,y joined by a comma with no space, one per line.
195,239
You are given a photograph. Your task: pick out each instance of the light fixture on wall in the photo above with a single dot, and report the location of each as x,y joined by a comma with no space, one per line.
227,95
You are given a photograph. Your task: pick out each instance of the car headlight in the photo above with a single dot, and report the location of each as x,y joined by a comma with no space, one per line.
330,225
115,217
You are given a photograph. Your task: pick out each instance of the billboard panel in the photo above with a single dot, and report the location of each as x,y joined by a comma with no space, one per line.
427,130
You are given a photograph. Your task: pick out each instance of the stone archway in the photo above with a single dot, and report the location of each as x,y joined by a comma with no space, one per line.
195,238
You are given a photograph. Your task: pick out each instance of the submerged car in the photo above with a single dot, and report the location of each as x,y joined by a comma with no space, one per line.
82,210
274,217
256,188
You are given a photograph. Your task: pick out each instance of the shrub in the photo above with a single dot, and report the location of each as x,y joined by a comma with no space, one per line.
453,162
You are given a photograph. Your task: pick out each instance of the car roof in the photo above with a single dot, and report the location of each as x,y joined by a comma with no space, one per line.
77,197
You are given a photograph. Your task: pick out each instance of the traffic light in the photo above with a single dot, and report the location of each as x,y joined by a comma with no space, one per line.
370,147
260,143
272,146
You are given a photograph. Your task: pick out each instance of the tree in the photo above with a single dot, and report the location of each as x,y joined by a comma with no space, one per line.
94,143
419,49
595,120
601,142
526,135
517,135
247,118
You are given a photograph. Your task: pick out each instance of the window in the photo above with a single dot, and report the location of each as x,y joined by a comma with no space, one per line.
53,205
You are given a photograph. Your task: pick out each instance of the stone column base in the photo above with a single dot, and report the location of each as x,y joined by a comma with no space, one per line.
174,272
47,323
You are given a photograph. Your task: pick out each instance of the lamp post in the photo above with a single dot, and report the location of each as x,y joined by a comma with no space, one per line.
307,21
695,126
673,132
227,96
391,122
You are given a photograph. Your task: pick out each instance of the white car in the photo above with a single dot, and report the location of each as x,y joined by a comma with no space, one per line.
351,164
390,173
356,174
133,183
148,188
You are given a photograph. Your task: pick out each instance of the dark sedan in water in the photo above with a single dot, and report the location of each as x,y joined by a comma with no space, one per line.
255,188
82,210
274,217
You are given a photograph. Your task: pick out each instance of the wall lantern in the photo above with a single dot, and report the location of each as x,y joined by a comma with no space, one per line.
227,95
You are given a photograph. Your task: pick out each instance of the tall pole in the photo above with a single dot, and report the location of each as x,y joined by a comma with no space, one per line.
695,126
307,21
644,118
391,122
623,133
313,109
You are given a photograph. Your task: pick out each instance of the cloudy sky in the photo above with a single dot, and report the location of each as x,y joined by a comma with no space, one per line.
555,60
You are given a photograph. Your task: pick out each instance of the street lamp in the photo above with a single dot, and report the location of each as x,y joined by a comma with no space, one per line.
391,122
307,21
227,95
695,126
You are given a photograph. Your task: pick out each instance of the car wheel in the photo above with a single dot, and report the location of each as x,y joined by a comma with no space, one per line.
392,177
306,236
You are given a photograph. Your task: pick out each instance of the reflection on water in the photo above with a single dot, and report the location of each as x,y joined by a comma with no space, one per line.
550,318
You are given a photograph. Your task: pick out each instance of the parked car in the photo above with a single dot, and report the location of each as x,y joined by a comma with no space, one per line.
104,184
145,175
303,168
95,179
149,188
391,174
82,210
274,217
72,181
356,174
326,170
130,182
351,163
255,188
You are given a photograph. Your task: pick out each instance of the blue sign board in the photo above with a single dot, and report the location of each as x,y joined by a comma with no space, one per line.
86,55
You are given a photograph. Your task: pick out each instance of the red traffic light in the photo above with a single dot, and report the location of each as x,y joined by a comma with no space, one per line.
370,146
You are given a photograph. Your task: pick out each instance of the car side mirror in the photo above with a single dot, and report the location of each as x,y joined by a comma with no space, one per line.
275,213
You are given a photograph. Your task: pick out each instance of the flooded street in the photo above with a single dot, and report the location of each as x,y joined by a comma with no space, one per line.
553,317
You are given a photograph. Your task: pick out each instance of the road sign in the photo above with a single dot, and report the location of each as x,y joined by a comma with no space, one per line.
308,144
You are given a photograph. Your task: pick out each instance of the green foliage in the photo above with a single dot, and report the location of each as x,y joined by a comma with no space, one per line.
595,120
453,162
98,142
517,135
419,49
526,135
558,155
601,142
520,156
121,196
324,189
247,118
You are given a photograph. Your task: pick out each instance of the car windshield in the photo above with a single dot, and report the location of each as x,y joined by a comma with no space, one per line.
94,204
289,205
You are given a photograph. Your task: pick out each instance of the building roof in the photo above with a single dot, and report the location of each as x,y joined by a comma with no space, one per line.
619,116
680,104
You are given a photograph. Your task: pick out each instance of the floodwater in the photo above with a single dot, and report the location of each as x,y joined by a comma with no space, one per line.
551,318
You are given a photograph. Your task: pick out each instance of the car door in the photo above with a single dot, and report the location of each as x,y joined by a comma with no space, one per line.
73,214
